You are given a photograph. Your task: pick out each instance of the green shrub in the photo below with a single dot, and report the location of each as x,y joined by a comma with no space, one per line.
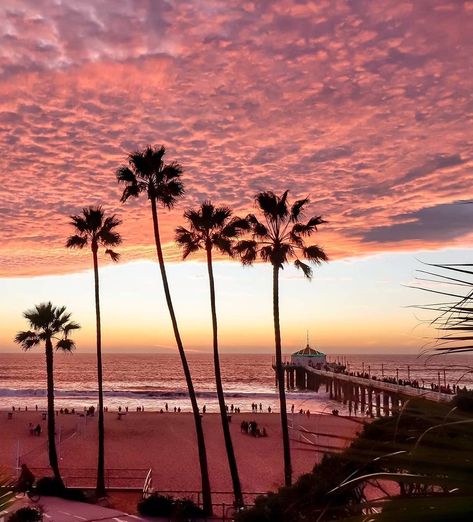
26,514
185,509
158,505
74,494
49,487
464,401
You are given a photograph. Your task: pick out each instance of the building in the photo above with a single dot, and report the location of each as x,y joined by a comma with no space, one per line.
308,357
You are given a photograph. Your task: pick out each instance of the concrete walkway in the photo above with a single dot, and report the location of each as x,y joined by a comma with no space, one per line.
60,510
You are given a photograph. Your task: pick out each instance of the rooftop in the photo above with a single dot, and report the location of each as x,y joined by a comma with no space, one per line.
310,352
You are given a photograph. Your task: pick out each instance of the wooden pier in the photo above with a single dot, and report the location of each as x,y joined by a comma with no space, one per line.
368,396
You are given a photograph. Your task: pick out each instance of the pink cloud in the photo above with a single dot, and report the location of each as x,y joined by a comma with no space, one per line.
364,105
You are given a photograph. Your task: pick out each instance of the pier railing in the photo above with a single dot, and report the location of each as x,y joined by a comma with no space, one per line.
84,478
382,385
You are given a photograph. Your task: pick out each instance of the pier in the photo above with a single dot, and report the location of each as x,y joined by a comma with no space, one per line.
361,395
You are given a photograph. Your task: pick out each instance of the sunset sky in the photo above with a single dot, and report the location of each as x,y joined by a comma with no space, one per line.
366,106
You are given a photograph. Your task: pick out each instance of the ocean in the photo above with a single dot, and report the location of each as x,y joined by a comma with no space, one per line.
152,380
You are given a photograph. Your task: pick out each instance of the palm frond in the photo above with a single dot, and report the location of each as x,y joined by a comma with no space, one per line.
93,217
257,228
268,203
305,268
282,210
131,191
148,161
66,345
246,250
46,321
167,193
235,227
188,241
107,238
41,316
111,222
79,223
27,339
220,217
76,242
126,175
266,253
70,326
296,239
172,171
148,173
210,226
315,254
114,256
297,209
223,243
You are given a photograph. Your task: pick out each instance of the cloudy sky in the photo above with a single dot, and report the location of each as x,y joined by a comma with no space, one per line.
365,106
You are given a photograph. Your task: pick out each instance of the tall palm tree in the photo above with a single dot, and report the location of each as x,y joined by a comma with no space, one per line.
277,238
94,229
51,325
211,227
148,174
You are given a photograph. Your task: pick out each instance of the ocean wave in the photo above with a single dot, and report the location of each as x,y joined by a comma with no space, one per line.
143,394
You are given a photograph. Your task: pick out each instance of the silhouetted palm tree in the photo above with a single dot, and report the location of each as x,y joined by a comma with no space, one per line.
95,229
51,325
211,227
160,182
276,239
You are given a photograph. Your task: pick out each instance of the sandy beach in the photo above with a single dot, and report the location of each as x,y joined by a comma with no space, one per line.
166,443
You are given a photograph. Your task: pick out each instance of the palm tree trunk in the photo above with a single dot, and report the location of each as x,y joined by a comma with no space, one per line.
218,381
204,469
53,461
100,486
280,374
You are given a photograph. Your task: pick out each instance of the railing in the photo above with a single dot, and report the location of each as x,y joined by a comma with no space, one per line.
115,478
406,389
148,484
119,479
222,506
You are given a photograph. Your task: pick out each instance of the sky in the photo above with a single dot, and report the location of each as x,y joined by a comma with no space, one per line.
364,106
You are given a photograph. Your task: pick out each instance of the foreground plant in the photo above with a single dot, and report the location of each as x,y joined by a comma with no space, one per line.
453,318
160,182
213,227
93,228
7,493
51,325
277,237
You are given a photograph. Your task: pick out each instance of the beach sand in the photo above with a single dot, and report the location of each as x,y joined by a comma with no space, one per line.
166,443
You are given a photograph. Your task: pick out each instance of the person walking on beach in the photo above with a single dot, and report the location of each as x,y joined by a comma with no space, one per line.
292,408
166,406
260,407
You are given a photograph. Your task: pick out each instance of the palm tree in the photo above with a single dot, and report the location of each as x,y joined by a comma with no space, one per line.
211,227
147,173
279,237
93,228
51,325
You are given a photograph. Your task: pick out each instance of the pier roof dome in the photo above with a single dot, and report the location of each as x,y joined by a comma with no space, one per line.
309,352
